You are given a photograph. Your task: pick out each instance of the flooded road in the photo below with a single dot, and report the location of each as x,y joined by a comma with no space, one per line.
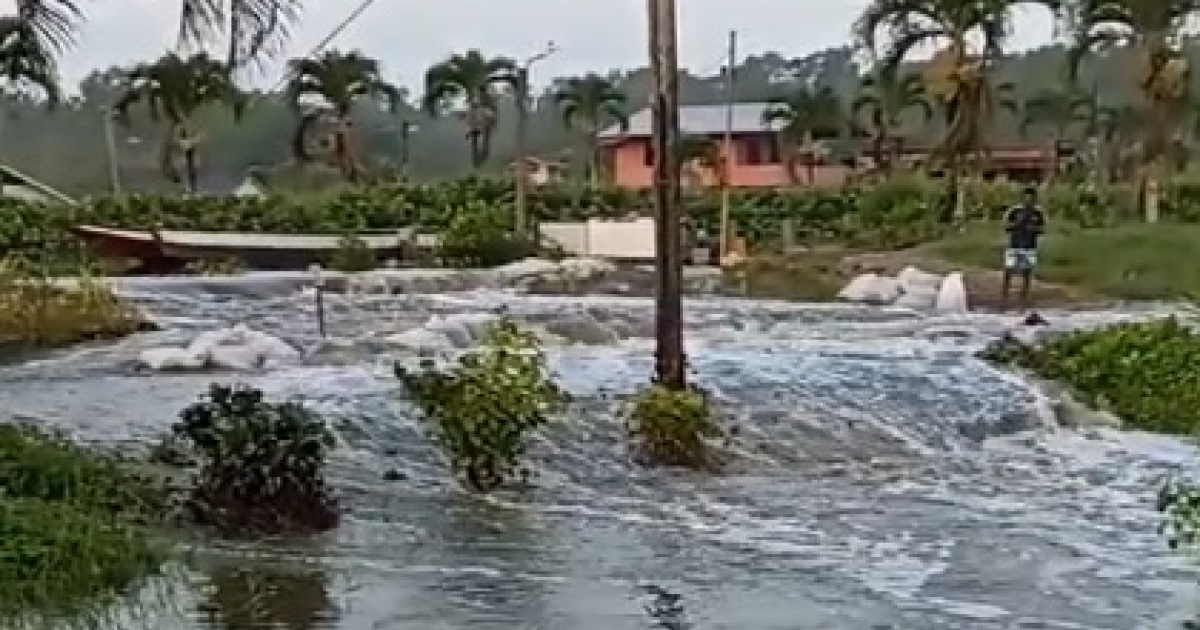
886,478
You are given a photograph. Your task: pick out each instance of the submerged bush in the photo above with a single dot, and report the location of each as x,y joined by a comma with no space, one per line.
1147,373
672,427
477,237
484,408
73,534
36,311
1180,503
261,464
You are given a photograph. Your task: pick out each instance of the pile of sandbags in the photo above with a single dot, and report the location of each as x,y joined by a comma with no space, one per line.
239,348
911,288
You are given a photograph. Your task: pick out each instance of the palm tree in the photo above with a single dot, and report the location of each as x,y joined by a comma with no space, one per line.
24,62
1150,28
470,83
174,89
590,104
887,96
1057,111
802,118
338,80
971,37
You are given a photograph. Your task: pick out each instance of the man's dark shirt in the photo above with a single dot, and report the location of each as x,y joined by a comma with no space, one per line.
1024,224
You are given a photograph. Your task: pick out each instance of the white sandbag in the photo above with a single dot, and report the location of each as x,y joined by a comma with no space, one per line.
421,339
245,358
270,348
913,280
172,360
870,288
952,297
586,268
918,298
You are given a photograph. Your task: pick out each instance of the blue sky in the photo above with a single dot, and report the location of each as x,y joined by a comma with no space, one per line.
408,35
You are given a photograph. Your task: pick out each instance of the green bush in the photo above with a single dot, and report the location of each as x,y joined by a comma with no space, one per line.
483,409
674,427
353,255
1147,373
261,464
1180,503
482,237
73,534
891,214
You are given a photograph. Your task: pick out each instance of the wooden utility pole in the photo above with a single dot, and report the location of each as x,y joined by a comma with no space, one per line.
727,152
670,368
521,170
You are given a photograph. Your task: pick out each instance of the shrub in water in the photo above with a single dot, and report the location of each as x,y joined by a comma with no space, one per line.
483,409
672,427
72,534
262,464
1181,505
1147,373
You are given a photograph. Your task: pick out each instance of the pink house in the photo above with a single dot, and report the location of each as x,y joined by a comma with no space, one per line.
754,156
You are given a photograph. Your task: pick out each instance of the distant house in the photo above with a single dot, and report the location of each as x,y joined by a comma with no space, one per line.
541,172
17,185
756,160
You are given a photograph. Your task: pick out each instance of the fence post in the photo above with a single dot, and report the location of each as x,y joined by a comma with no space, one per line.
319,296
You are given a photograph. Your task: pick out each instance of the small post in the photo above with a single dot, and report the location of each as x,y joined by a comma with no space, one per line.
319,293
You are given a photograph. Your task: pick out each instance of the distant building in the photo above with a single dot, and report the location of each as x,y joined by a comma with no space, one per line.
757,159
17,185
541,172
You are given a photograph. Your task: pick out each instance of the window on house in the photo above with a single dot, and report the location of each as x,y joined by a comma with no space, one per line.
774,154
752,151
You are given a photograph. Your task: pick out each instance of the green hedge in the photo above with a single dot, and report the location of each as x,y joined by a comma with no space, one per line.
896,213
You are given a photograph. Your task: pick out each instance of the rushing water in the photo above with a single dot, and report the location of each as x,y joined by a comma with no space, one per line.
886,479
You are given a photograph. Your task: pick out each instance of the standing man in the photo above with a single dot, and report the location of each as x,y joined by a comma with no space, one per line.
1024,224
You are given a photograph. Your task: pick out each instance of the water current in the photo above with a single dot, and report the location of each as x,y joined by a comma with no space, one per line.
886,478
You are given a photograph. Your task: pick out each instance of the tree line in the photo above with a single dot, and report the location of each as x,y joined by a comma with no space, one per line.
339,113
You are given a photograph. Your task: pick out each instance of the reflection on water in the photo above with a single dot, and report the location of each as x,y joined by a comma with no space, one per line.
266,598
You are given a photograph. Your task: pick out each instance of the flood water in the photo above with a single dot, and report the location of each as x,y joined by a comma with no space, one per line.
885,479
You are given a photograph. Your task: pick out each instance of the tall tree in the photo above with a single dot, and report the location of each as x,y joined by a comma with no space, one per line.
174,89
469,84
971,38
1056,111
886,97
337,80
590,104
804,118
1151,28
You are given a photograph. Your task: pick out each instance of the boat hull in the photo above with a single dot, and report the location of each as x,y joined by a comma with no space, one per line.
168,252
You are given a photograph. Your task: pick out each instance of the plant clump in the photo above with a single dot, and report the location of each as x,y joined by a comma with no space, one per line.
261,464
352,255
36,311
1147,373
483,409
216,267
74,529
479,238
674,427
1180,503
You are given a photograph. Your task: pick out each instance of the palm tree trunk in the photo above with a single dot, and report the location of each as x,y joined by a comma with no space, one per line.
594,159
475,139
300,137
190,170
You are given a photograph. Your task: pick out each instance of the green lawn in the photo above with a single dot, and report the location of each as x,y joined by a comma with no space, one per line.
1136,262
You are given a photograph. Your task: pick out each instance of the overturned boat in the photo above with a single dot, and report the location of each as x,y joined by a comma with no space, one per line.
167,251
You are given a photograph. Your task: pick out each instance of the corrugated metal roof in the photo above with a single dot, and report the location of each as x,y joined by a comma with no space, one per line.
699,120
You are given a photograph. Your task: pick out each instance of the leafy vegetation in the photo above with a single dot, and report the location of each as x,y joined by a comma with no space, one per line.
1147,373
35,311
73,528
483,409
674,427
353,255
261,464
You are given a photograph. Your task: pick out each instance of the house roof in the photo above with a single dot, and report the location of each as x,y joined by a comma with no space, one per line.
700,120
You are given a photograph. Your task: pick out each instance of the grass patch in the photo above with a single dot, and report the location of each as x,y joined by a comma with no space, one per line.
74,530
807,276
35,311
1133,262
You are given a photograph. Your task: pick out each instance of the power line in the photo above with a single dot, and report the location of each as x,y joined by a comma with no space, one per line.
337,30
